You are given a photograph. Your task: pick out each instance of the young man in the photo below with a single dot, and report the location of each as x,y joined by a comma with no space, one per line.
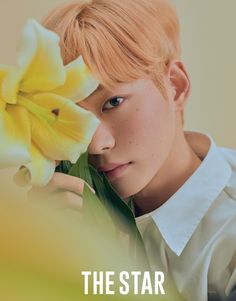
182,185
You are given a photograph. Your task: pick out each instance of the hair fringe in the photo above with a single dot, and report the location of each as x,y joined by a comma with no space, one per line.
120,41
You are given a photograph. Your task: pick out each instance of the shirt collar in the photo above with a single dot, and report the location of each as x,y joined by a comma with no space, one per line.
178,218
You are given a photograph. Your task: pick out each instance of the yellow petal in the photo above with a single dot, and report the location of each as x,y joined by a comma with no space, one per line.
14,135
46,69
80,82
38,172
22,177
27,52
40,67
4,70
60,129
10,85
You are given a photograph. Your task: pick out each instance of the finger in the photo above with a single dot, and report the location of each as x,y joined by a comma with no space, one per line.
72,200
61,181
67,182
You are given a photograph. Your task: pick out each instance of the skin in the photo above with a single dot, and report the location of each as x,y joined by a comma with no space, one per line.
139,125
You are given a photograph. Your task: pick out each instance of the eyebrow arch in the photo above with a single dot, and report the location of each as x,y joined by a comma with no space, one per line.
95,92
100,87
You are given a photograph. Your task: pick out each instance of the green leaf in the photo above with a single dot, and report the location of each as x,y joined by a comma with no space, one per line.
95,212
107,209
64,167
125,221
81,169
93,209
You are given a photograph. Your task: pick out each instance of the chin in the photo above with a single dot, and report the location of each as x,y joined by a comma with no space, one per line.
122,190
126,191
130,183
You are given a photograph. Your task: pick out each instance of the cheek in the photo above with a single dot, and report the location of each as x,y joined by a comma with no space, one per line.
147,131
145,138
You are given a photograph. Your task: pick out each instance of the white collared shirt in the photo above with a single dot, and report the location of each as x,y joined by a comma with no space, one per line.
192,236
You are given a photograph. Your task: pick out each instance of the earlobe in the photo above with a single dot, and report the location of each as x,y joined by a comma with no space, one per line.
179,83
181,102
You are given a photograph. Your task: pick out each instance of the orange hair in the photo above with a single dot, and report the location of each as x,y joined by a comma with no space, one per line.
119,40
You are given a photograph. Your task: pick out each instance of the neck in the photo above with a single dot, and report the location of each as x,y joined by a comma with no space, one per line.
179,166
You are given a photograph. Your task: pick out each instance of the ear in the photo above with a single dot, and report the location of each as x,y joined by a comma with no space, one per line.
179,83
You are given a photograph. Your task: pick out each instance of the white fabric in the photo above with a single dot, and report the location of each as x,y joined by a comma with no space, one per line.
192,237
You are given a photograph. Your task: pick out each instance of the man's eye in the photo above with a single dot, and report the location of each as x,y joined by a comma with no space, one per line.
114,102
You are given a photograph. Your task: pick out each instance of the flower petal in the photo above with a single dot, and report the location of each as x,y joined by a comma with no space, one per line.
14,135
40,67
27,52
80,82
60,129
4,71
10,85
38,172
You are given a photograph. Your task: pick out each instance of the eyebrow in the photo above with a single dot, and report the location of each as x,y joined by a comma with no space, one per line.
95,92
99,88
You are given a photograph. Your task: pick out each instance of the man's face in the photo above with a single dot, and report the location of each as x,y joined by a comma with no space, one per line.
137,127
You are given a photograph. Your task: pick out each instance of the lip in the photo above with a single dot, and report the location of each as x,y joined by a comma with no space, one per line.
117,172
109,167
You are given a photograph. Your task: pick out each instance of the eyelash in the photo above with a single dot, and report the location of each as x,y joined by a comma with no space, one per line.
118,97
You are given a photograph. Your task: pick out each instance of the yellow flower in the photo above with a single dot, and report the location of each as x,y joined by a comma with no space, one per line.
39,120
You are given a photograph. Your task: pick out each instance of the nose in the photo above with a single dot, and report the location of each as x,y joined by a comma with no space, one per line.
102,140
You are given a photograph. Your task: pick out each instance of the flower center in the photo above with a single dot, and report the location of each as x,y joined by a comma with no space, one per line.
56,112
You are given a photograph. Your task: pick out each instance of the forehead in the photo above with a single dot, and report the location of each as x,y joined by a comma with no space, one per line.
134,86
101,93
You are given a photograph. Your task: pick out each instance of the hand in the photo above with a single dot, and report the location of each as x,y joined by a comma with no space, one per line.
63,191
